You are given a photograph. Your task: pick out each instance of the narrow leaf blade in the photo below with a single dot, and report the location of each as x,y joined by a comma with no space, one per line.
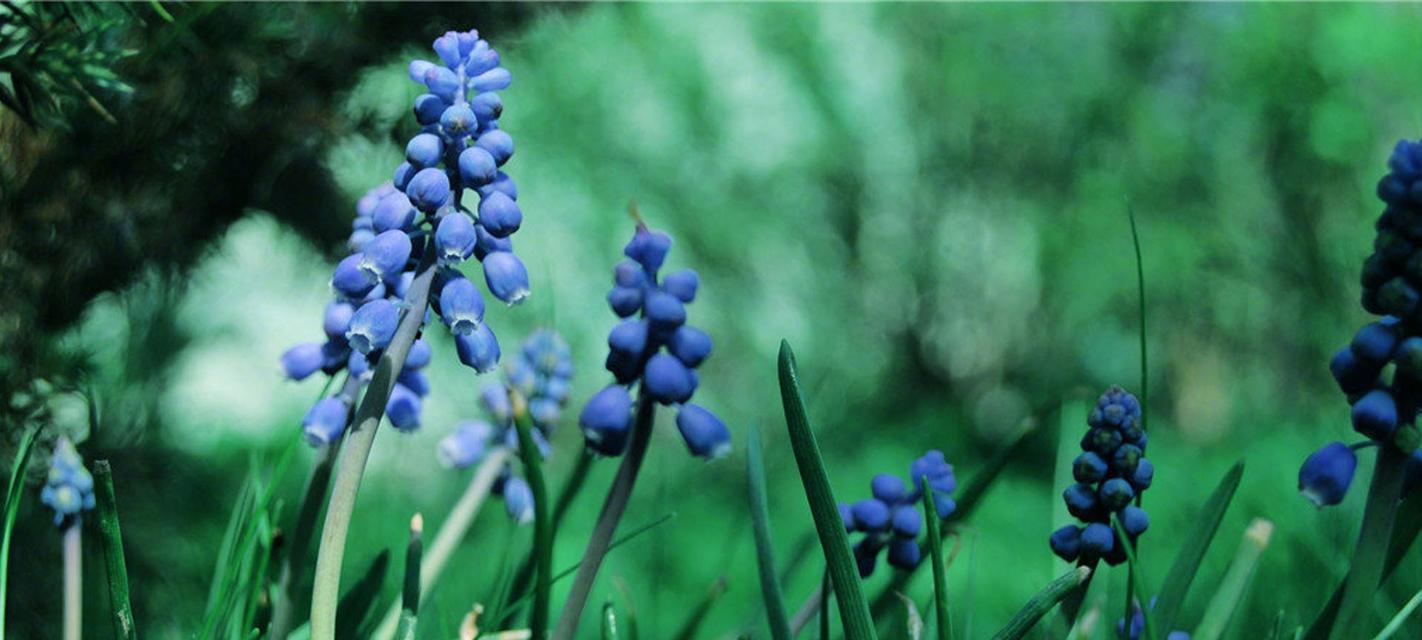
1235,584
113,551
1196,544
770,592
1043,602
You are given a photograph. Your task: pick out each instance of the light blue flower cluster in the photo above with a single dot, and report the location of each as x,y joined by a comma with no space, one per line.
892,518
68,488
1110,473
656,349
418,221
541,374
1383,411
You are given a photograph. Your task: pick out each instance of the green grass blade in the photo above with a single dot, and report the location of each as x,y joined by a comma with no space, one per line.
1135,584
1235,584
358,600
1401,617
629,621
1043,602
609,621
113,551
410,589
1369,557
693,622
1141,314
630,536
542,523
771,595
1196,544
853,610
826,590
14,492
935,553
1404,531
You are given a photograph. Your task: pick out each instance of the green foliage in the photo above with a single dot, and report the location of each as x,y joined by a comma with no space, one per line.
773,598
116,570
13,495
54,56
1196,543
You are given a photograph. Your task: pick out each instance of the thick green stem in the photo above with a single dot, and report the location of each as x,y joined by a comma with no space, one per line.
355,452
1366,570
73,583
612,509
542,527
113,552
519,585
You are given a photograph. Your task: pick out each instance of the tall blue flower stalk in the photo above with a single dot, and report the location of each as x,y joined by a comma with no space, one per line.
1384,401
409,239
69,491
656,352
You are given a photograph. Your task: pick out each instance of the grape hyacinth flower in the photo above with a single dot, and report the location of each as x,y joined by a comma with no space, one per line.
541,372
1110,474
68,487
892,518
1137,626
654,348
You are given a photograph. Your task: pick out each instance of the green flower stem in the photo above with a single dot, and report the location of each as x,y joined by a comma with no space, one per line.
940,570
607,519
312,498
694,620
451,532
519,585
1235,584
355,452
1135,582
14,492
410,593
1365,573
807,610
542,525
73,583
113,551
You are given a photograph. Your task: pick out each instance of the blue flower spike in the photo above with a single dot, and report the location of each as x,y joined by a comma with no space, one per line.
892,518
68,487
1110,473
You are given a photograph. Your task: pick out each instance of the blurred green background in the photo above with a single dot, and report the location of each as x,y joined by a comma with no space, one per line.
928,201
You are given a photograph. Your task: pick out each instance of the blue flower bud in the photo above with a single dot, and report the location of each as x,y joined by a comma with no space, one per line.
705,435
478,350
461,306
302,360
393,212
1116,493
668,381
486,243
664,310
1408,357
363,222
428,109
1144,475
518,500
350,280
428,190
871,514
358,364
447,46
466,445
935,467
1126,458
496,79
506,276
1102,440
500,215
846,515
386,255
943,505
690,345
458,121
498,143
443,83
373,325
481,59
649,248
476,167
69,488
403,409
358,239
888,488
414,380
424,150
606,419
487,106
629,337
625,301
467,41
1326,475
418,69
1134,520
682,284
866,555
1081,501
419,355
544,411
906,520
904,553
1066,542
502,183
1375,342
626,368
325,421
1397,297
495,400
1097,539
455,237
1088,467
1375,414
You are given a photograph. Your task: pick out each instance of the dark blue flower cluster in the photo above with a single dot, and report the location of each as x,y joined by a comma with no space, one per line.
653,346
460,146
541,375
1383,411
1137,627
1110,473
68,488
892,517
